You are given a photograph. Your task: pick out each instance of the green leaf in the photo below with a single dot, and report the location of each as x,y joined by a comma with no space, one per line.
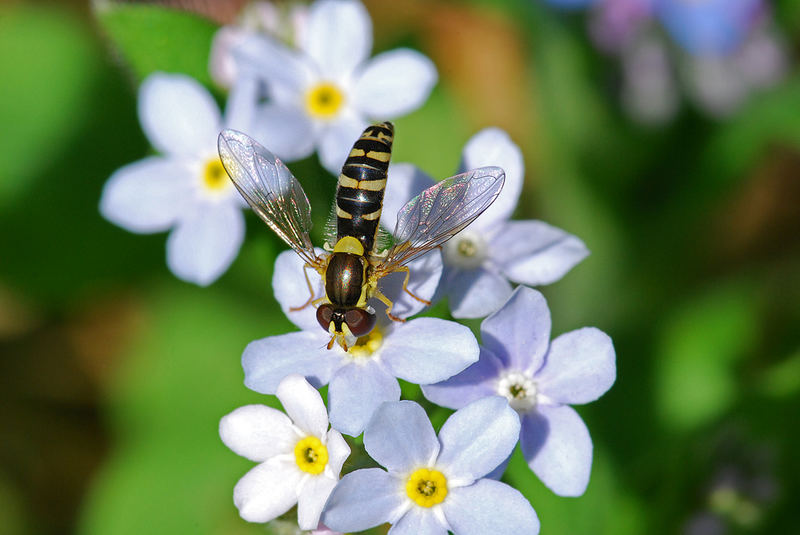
169,472
48,65
151,38
699,346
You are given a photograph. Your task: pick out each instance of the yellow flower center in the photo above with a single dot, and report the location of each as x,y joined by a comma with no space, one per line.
311,455
426,487
324,100
214,176
367,345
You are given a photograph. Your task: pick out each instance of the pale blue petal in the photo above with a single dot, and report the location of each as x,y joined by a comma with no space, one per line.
280,67
400,437
338,37
476,292
205,242
493,147
535,253
429,350
364,499
291,290
519,333
355,392
267,361
394,83
477,438
489,507
336,140
418,521
425,273
178,115
149,195
579,368
476,382
558,448
285,130
405,181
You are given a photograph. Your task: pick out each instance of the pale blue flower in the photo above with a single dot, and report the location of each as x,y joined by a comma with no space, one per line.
422,351
541,379
185,188
481,260
432,484
323,94
300,458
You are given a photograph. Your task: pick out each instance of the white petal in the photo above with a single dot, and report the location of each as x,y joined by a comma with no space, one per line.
285,71
312,500
476,292
405,181
394,83
579,368
355,392
267,361
178,115
291,290
410,354
558,448
477,438
338,36
400,437
257,432
335,143
303,404
338,452
364,499
489,507
534,253
519,333
492,146
285,130
149,195
204,244
268,490
418,521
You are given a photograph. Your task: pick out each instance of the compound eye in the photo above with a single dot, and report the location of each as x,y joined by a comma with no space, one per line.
324,315
359,321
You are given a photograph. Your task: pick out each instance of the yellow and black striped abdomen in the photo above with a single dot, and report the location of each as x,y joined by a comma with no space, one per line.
359,195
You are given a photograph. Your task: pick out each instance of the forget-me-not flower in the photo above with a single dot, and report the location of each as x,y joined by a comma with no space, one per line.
185,188
541,379
480,260
423,350
434,485
324,93
300,458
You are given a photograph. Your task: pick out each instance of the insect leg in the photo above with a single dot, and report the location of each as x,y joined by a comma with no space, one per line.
405,286
389,304
310,290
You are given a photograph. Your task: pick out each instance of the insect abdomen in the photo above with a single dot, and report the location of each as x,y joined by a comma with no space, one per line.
359,195
344,279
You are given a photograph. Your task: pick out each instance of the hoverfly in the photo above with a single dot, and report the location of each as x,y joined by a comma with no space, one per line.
354,264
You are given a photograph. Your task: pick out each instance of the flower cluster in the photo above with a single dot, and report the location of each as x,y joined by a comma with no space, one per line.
315,88
727,49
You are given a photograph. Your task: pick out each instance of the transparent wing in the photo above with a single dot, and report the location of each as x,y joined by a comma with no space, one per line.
440,212
269,188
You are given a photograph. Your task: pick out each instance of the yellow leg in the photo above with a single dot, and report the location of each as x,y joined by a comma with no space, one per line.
405,286
310,290
389,304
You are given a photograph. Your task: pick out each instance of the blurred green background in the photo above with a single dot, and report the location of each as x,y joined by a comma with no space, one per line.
114,374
